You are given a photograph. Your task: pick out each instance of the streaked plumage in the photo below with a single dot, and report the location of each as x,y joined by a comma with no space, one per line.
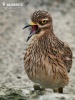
47,59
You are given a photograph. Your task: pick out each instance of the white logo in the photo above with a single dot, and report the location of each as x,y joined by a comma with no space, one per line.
12,4
3,3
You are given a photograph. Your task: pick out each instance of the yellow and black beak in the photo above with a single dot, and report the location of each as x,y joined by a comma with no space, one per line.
31,24
34,29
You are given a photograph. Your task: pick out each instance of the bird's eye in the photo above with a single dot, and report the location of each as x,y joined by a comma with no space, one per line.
44,21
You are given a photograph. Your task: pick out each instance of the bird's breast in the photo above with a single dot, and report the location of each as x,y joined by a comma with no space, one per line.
40,70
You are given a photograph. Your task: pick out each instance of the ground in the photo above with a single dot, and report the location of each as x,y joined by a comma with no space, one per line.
13,45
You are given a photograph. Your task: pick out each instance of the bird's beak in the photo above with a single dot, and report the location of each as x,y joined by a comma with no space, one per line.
34,28
31,24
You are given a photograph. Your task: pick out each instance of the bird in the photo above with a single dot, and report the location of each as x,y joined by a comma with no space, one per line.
47,60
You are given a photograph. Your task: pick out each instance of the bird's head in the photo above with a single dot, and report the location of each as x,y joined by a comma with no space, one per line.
41,21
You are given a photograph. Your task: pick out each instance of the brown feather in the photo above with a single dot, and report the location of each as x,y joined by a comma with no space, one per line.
47,59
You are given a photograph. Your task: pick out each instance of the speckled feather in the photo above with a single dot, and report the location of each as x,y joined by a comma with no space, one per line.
40,15
47,59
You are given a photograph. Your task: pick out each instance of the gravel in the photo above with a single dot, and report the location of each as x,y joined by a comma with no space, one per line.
13,43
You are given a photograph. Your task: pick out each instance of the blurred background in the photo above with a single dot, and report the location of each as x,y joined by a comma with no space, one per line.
14,15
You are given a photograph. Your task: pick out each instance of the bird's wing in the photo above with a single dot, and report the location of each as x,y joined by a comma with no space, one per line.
61,53
67,57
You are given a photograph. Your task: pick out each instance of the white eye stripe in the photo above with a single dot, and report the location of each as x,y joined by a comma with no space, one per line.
45,19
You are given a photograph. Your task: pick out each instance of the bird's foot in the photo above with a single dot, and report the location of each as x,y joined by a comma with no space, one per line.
55,90
59,90
38,90
38,87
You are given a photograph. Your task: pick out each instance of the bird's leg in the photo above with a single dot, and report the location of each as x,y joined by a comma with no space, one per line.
37,87
60,90
55,90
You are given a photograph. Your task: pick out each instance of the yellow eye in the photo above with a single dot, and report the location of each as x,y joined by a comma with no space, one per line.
44,21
